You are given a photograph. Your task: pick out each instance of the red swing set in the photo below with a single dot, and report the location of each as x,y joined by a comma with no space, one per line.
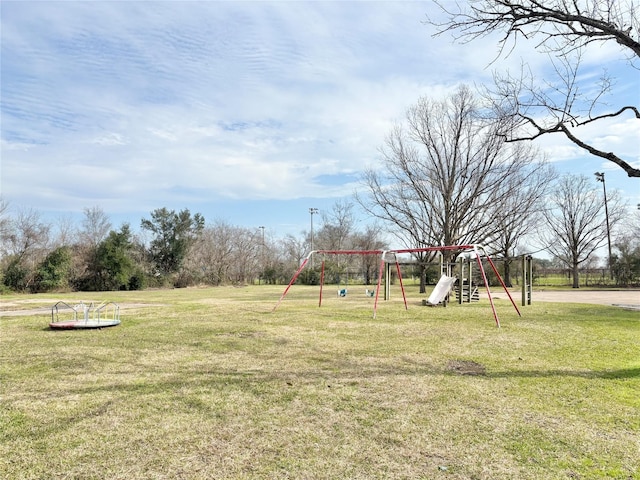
471,251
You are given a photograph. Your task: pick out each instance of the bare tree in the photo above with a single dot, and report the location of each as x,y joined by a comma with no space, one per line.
213,253
523,214
4,219
576,221
25,243
631,227
95,226
247,256
445,176
294,251
65,231
225,253
369,239
94,229
336,234
28,235
626,259
337,227
562,29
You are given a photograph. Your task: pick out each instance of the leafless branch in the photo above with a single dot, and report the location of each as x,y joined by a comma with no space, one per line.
527,107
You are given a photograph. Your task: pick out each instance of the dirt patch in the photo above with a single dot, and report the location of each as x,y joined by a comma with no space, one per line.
466,367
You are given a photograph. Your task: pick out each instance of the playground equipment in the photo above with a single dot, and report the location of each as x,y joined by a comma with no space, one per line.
441,291
388,257
466,291
527,279
82,315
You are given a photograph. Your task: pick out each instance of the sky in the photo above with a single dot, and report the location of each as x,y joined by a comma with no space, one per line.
246,112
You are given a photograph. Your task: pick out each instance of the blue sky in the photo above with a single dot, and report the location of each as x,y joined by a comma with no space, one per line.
248,112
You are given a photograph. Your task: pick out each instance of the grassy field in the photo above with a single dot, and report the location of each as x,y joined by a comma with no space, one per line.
585,280
211,384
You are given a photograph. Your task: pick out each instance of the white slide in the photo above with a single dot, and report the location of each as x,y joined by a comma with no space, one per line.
442,289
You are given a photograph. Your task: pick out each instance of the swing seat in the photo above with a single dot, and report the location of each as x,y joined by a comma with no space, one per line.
342,292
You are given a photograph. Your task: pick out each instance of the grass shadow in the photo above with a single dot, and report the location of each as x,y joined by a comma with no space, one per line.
604,374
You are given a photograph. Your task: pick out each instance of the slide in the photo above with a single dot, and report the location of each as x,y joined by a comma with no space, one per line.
441,290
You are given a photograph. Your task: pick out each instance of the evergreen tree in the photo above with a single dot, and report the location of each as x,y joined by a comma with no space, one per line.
174,234
112,267
53,271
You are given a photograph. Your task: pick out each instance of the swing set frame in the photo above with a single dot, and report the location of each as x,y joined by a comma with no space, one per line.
391,256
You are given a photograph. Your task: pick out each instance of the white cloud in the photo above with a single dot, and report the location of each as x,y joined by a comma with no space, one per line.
137,105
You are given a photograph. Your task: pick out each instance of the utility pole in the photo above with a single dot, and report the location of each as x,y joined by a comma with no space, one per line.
600,178
261,227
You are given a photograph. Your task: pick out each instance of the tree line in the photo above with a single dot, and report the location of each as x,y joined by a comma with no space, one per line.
565,215
172,248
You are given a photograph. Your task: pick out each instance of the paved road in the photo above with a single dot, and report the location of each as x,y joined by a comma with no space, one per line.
598,297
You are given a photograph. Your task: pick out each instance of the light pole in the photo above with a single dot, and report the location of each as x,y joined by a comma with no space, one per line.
312,211
600,178
261,255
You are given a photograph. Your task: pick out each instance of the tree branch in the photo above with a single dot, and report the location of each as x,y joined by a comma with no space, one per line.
561,127
577,26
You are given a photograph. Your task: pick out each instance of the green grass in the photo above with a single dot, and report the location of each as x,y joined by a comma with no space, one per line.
210,383
590,280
